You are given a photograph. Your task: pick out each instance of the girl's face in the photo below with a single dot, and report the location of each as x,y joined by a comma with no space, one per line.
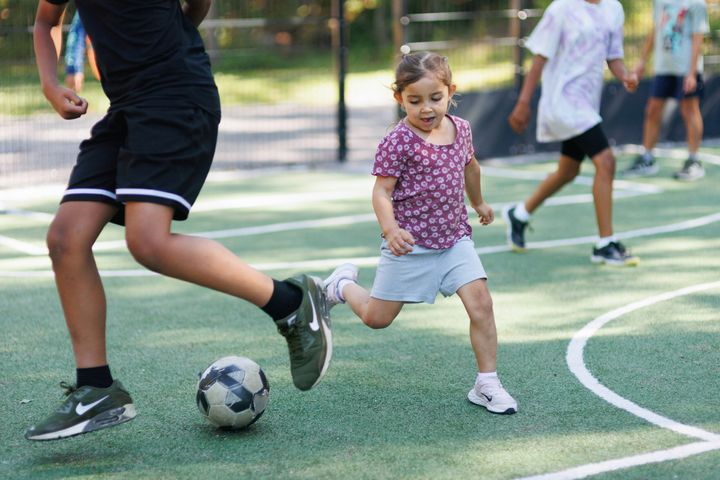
426,102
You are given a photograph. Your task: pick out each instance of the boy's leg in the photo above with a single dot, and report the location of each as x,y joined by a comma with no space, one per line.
207,263
602,190
88,407
692,117
488,391
517,217
653,121
70,239
692,169
194,259
568,168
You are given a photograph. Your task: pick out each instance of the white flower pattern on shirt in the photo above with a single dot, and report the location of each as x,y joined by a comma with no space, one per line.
429,196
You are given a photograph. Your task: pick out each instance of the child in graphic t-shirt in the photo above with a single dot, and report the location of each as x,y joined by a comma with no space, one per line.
423,168
572,43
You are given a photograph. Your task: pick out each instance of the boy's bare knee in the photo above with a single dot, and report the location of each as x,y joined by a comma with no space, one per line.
145,250
61,243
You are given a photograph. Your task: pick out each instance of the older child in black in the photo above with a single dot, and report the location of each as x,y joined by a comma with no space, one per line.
143,167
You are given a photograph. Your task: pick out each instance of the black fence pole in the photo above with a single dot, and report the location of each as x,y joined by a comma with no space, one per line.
342,53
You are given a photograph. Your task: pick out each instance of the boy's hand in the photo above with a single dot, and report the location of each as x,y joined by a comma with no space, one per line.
689,83
486,213
66,102
520,117
399,241
630,82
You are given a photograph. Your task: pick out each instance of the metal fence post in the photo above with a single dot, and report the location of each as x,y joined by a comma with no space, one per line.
340,45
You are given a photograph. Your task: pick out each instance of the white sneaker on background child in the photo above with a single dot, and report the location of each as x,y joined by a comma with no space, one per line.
333,285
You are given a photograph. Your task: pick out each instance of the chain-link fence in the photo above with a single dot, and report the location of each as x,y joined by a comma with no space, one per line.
277,65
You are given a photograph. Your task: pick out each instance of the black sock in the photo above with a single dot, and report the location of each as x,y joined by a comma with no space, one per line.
94,377
285,299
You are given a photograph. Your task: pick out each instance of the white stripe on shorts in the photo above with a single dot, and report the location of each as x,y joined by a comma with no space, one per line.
89,191
154,193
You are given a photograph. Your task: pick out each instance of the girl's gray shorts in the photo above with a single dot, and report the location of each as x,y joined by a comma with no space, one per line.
419,275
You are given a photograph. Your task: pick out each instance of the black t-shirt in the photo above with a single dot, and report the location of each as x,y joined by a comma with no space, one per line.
148,52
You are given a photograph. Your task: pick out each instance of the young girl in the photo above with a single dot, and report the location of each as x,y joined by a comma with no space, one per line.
571,44
143,167
422,169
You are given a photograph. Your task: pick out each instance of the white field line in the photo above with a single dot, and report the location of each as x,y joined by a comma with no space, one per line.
577,367
624,189
658,456
324,264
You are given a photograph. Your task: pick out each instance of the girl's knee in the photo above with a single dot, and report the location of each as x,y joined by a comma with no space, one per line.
377,321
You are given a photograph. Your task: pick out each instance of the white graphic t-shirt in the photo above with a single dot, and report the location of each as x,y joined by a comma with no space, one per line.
676,21
577,37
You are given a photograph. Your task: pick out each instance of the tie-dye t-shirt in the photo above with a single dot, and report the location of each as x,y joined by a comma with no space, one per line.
577,38
429,196
676,21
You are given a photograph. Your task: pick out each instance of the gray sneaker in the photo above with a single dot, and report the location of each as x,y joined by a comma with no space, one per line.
308,333
691,170
86,409
641,166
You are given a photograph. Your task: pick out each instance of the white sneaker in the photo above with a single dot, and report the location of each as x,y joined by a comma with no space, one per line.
493,397
346,271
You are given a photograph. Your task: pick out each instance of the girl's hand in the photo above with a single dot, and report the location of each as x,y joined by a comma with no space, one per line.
486,213
520,117
399,241
66,102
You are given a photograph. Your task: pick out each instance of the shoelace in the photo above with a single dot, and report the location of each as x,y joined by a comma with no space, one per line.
69,389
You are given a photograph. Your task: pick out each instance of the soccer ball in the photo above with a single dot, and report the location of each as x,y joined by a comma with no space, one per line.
232,392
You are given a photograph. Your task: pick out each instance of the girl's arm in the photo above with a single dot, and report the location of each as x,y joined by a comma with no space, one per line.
629,80
196,10
399,241
63,100
474,193
520,116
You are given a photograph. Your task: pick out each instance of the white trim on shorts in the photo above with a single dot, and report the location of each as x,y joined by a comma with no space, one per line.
155,193
89,191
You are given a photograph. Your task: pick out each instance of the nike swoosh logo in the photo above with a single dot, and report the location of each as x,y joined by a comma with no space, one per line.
489,399
314,325
81,409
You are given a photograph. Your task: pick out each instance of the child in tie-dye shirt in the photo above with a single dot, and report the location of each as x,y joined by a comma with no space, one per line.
572,43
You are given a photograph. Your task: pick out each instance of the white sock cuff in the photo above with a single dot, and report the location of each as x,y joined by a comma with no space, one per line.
485,376
604,241
520,212
341,284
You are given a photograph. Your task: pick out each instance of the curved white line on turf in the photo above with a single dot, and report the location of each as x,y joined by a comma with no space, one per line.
369,261
676,453
577,367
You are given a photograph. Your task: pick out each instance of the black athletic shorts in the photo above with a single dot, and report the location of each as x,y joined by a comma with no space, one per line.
146,154
589,143
671,86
